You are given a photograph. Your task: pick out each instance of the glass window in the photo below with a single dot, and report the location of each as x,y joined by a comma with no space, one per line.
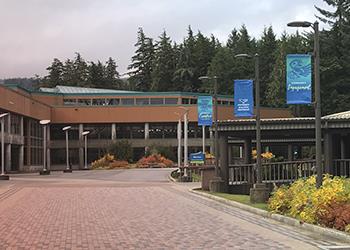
157,101
127,101
193,101
69,101
137,131
99,102
185,101
155,131
170,100
112,101
142,101
84,101
99,131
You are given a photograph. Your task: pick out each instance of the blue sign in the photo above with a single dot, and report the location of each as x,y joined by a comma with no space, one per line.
298,79
243,98
197,157
205,110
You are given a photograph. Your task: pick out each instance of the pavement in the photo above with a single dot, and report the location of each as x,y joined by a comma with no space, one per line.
133,209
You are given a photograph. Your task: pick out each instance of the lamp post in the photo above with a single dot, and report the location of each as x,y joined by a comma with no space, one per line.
85,134
44,171
68,169
3,176
185,142
259,193
318,129
216,141
179,132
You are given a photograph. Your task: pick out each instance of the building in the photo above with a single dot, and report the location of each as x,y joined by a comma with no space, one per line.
143,118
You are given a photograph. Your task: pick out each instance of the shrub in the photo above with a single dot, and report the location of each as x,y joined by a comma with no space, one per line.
103,162
165,151
118,164
122,150
328,205
154,160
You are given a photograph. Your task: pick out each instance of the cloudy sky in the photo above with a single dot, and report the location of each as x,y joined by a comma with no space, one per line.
33,32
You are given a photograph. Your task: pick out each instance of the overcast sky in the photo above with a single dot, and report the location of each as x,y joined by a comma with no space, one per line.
33,32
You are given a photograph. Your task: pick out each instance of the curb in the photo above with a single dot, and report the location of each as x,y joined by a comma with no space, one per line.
281,218
171,178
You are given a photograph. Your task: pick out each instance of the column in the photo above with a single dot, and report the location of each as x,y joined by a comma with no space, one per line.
48,146
146,130
114,131
81,147
223,160
342,147
247,150
21,147
29,143
211,136
328,153
8,157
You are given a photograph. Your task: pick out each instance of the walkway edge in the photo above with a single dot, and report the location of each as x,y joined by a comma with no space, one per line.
281,218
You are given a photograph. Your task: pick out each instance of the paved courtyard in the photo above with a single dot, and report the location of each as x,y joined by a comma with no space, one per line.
131,209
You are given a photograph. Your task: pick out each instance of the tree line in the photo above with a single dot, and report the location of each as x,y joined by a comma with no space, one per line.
162,65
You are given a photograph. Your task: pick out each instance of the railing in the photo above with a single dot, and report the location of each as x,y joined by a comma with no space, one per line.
275,172
341,167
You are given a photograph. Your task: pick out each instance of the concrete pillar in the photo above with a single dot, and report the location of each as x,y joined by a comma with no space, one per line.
146,130
48,151
247,150
328,152
230,148
290,152
8,157
9,124
342,147
81,146
21,147
114,131
28,142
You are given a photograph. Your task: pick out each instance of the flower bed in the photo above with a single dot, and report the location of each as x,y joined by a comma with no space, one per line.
108,162
328,205
154,161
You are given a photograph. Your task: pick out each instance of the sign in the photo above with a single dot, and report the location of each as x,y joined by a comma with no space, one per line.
298,79
205,110
243,98
197,158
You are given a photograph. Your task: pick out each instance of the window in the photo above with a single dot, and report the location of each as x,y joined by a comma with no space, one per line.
142,101
193,101
127,101
185,101
99,102
84,101
157,101
171,101
69,101
112,101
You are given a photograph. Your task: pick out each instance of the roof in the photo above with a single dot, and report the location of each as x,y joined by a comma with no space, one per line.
338,116
59,89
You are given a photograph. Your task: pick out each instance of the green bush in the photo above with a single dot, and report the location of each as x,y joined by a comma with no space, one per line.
122,150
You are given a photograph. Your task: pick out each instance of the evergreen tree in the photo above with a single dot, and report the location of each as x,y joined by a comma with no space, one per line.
55,76
111,75
141,76
163,65
96,75
80,71
267,46
68,75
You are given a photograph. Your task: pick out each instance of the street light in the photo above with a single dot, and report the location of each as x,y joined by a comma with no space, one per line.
68,169
318,132
44,171
85,134
257,113
216,141
3,176
179,132
185,142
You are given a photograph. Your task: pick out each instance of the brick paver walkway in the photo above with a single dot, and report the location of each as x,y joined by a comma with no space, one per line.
39,215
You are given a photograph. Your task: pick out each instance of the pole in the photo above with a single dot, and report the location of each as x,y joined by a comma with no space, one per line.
67,150
216,142
179,144
44,160
2,146
185,143
203,139
258,131
317,106
85,152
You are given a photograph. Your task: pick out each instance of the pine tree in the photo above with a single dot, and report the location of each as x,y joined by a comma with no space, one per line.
55,76
80,71
141,76
163,65
111,75
96,75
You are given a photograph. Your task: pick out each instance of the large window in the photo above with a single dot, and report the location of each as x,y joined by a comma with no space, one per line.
157,130
171,101
142,101
58,134
99,131
84,101
157,101
127,101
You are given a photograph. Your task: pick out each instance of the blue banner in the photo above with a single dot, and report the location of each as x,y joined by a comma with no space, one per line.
243,98
298,79
205,110
197,158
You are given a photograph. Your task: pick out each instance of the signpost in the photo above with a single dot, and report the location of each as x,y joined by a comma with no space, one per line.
197,158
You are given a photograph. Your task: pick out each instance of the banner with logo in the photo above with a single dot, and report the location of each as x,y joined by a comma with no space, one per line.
243,98
299,79
205,110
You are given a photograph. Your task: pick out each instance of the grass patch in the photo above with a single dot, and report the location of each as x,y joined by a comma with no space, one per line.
244,199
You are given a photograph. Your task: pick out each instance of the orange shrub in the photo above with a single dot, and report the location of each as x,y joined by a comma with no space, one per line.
154,160
118,164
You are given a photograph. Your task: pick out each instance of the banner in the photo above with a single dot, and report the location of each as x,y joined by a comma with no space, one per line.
197,158
205,110
243,98
298,79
